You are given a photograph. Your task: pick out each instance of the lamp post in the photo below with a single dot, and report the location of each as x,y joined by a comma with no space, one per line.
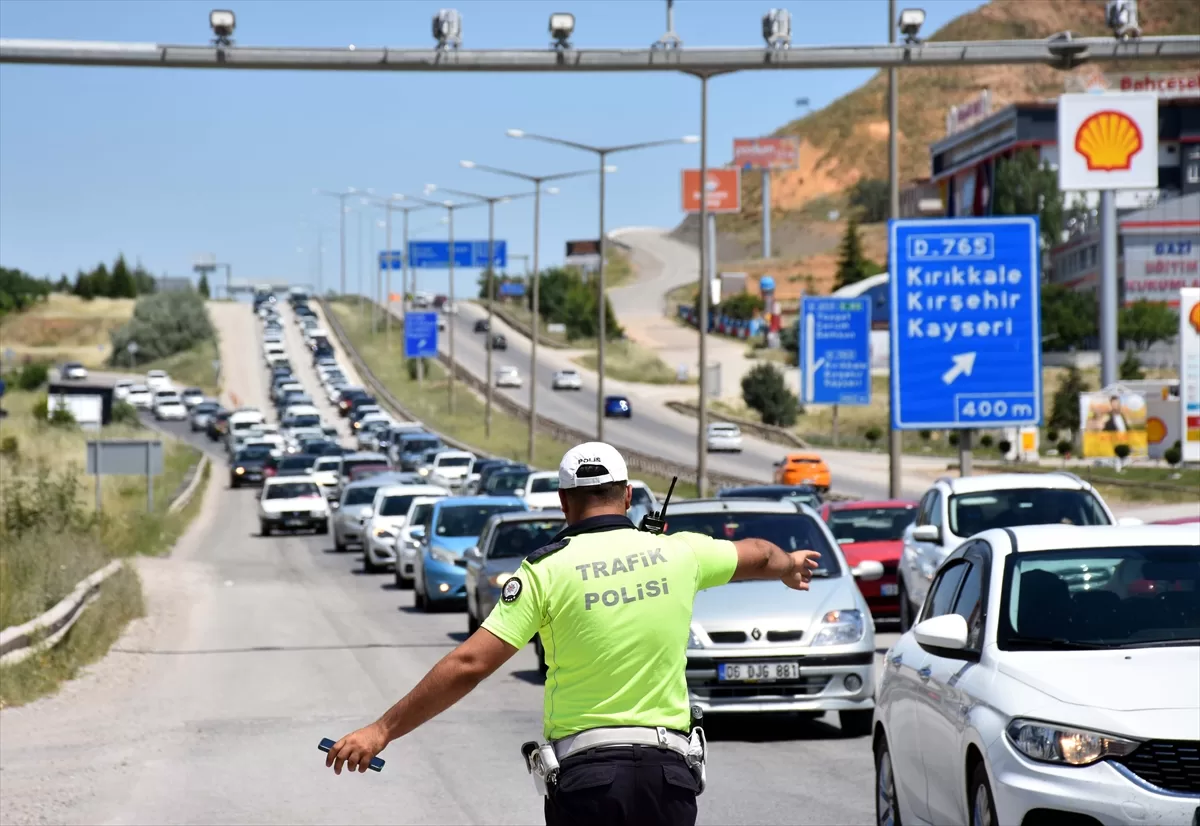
537,181
341,196
894,444
491,201
451,207
602,152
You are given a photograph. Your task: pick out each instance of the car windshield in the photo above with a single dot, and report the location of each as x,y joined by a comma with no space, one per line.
972,513
363,495
396,505
293,462
252,454
641,496
421,513
544,484
306,420
468,520
503,484
790,531
870,524
516,540
1101,598
420,445
454,461
327,463
292,490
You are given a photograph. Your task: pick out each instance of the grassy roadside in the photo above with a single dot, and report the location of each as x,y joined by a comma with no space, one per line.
53,538
510,435
66,328
190,368
1133,483
627,360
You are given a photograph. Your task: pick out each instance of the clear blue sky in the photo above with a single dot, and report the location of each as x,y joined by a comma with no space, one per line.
167,164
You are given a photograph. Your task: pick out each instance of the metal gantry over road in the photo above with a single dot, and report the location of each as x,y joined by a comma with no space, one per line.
1062,51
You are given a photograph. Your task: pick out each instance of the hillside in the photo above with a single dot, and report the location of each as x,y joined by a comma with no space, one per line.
847,140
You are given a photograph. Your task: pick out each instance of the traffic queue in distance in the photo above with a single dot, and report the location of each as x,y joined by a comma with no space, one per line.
1048,663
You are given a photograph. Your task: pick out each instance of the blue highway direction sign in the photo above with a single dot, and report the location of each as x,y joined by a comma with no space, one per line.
435,255
966,340
393,259
835,351
420,335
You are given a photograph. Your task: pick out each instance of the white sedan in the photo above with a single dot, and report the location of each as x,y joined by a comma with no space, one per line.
139,396
567,380
508,377
168,406
724,436
1053,671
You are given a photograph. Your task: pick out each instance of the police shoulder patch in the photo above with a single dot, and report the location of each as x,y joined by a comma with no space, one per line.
546,550
511,590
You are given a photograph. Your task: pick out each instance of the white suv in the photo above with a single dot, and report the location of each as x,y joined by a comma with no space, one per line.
957,508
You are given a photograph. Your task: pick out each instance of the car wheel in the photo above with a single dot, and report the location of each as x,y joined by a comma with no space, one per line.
233,483
338,544
887,813
402,584
855,723
905,607
983,808
369,566
423,601
323,529
265,529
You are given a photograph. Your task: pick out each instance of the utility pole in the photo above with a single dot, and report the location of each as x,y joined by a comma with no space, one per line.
894,436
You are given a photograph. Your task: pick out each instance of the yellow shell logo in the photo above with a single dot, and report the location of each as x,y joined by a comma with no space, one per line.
1156,430
1194,316
1108,140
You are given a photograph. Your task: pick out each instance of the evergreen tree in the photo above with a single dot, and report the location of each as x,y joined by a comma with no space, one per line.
84,286
101,281
1064,409
1131,367
63,285
853,266
1025,185
121,285
202,287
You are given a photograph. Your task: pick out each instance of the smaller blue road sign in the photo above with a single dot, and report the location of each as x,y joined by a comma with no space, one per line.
966,340
420,335
514,289
435,255
835,351
391,259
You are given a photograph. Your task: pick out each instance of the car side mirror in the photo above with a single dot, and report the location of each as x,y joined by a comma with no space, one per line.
868,570
948,631
519,492
418,532
927,533
335,504
472,554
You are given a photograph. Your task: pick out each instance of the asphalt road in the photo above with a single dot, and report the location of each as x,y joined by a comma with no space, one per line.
210,709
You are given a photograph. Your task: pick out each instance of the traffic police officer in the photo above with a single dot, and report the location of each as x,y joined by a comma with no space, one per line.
613,606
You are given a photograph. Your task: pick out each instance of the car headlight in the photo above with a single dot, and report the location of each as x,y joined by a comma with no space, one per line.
840,628
383,533
316,514
239,471
694,640
442,555
1051,743
498,580
424,471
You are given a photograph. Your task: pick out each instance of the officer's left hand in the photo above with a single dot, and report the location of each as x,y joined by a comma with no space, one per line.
803,565
356,750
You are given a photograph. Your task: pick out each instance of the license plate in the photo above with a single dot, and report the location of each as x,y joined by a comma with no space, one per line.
889,589
295,523
758,672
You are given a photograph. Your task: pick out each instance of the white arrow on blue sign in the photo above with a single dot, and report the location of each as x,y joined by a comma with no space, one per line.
420,335
966,341
835,351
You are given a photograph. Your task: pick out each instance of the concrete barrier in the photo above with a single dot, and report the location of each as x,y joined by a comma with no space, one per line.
770,433
22,641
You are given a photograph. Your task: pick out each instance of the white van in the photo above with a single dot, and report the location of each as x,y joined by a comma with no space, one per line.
244,420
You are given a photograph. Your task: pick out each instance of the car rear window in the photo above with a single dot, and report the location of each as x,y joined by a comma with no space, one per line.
972,513
468,520
792,532
292,490
293,462
856,525
454,461
516,540
363,495
546,484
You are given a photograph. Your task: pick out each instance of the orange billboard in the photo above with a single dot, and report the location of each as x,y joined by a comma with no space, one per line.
723,190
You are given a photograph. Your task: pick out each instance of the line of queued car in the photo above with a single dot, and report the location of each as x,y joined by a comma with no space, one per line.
158,395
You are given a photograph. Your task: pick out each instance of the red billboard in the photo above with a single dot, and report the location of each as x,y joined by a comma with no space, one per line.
724,190
766,153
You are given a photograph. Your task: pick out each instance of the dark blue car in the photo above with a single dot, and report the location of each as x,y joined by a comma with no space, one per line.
617,406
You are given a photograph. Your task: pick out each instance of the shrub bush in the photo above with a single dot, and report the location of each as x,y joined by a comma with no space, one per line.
1003,447
40,410
32,376
1122,452
62,417
9,447
125,413
765,390
1064,448
952,439
1173,455
925,435
873,434
986,440
162,324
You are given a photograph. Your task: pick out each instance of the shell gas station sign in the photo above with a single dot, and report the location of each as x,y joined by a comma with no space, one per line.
1107,141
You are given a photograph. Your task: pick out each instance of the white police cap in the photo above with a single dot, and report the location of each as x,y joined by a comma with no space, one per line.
600,464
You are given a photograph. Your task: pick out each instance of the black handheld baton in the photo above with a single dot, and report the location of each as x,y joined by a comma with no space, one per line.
657,522
376,763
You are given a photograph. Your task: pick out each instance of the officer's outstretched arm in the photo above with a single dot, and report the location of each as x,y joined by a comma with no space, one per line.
453,678
760,559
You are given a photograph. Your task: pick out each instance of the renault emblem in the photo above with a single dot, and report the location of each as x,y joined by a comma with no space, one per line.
756,634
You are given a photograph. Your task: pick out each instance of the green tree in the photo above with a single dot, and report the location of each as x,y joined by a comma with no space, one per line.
143,280
565,298
1026,186
101,281
872,199
1131,368
202,287
765,390
18,290
1068,317
84,286
1143,323
1064,407
121,285
853,266
63,284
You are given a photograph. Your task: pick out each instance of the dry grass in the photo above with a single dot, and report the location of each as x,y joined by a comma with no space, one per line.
66,328
191,368
626,360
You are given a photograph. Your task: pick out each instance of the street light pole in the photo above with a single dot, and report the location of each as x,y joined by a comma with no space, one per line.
603,152
537,181
702,408
341,196
894,444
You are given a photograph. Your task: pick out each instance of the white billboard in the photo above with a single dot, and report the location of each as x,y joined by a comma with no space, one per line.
1157,267
1107,141
1189,372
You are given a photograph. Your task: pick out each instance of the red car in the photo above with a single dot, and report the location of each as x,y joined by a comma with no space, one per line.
875,531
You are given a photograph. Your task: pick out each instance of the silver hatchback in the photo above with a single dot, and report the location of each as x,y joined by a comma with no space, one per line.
762,647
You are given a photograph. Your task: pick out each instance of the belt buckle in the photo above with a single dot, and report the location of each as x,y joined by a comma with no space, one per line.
662,737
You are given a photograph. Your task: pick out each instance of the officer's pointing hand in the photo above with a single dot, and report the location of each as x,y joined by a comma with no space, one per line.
356,750
803,565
